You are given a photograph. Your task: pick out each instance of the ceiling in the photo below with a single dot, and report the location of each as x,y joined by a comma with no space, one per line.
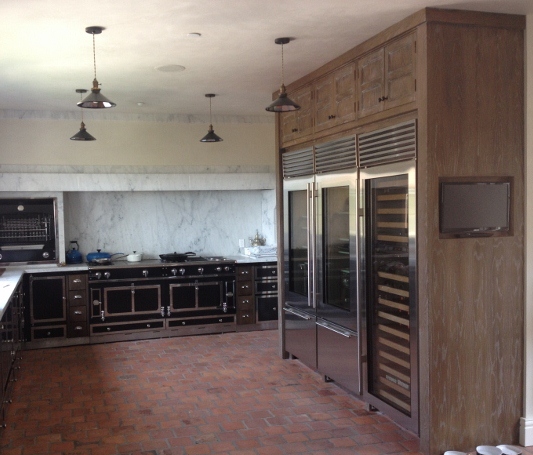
45,53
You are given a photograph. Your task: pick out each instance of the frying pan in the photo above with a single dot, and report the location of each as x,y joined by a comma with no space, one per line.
176,257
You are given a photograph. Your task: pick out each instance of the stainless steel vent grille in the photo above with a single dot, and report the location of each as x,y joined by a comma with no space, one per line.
396,143
298,163
335,155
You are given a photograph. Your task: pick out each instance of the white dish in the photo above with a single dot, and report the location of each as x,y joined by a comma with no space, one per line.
488,450
454,452
509,450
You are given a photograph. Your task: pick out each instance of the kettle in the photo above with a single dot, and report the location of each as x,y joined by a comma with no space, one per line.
73,255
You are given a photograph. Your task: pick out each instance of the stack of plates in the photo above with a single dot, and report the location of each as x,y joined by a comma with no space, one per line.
489,450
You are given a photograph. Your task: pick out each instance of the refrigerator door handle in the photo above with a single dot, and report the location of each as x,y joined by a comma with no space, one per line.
337,330
297,313
311,237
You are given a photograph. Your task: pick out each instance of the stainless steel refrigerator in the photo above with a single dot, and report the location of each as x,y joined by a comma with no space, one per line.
321,323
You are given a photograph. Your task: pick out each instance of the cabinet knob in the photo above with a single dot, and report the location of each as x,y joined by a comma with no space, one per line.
294,130
383,98
331,117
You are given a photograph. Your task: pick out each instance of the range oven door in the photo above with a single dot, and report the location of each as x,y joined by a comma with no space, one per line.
121,301
202,297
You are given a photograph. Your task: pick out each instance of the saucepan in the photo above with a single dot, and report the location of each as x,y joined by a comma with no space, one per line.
134,257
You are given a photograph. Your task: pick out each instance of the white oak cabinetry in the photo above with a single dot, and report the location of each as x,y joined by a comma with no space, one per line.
335,98
460,76
299,124
386,76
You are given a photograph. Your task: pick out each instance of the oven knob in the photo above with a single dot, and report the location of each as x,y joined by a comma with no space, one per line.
46,255
174,272
145,273
219,269
98,275
226,269
182,271
200,270
107,274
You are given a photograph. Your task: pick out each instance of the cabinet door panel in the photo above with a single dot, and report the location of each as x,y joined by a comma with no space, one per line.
400,67
48,299
324,99
345,93
371,71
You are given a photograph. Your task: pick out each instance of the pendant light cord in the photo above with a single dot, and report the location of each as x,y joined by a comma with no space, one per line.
210,121
94,57
282,71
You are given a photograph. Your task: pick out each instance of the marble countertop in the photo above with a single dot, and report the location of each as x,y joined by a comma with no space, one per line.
9,281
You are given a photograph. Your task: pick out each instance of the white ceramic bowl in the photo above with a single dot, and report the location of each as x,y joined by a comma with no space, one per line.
488,450
454,452
509,450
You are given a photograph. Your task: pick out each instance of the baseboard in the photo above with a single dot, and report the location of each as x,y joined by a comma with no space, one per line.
526,432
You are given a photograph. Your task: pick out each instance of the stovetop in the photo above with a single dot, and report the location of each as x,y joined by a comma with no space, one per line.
159,262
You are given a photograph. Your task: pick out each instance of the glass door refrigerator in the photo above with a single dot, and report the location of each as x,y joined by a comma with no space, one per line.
388,291
299,308
338,352
320,261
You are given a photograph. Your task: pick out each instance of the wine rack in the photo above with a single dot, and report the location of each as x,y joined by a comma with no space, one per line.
389,295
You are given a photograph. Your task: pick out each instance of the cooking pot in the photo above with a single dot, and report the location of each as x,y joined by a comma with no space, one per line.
176,257
100,257
134,257
73,255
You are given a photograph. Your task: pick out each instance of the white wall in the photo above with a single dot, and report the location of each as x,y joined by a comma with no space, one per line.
27,140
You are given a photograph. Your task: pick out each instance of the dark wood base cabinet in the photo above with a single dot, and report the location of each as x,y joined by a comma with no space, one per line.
257,296
11,340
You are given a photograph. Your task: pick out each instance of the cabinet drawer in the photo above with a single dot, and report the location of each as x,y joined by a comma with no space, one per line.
77,329
77,282
245,302
77,313
77,297
244,288
266,287
266,271
245,273
42,333
245,317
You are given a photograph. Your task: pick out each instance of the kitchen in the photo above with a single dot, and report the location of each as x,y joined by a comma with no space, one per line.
27,174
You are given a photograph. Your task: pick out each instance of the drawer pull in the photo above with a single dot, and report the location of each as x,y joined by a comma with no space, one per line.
77,280
78,327
77,296
78,312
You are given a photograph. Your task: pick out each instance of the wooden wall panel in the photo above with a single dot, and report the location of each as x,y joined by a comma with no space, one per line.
474,116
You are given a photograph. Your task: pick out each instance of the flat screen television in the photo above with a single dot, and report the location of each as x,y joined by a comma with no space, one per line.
475,208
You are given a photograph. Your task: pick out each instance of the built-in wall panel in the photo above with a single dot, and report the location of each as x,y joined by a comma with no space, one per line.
473,292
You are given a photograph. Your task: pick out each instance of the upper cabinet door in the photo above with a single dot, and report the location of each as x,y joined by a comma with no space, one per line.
335,98
298,124
387,76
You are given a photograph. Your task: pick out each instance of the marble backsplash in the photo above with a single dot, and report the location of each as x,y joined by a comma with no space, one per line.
155,222
153,209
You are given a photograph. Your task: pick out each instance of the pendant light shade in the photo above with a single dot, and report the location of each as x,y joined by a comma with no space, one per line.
210,136
82,134
283,103
95,100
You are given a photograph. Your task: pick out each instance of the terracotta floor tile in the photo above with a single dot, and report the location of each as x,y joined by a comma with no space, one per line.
215,394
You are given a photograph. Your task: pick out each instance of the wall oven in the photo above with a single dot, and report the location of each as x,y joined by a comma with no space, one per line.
28,230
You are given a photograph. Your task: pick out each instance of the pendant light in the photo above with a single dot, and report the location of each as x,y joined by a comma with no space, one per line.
283,103
95,100
210,136
82,134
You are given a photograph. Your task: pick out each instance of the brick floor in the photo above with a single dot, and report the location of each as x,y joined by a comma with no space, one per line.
212,394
